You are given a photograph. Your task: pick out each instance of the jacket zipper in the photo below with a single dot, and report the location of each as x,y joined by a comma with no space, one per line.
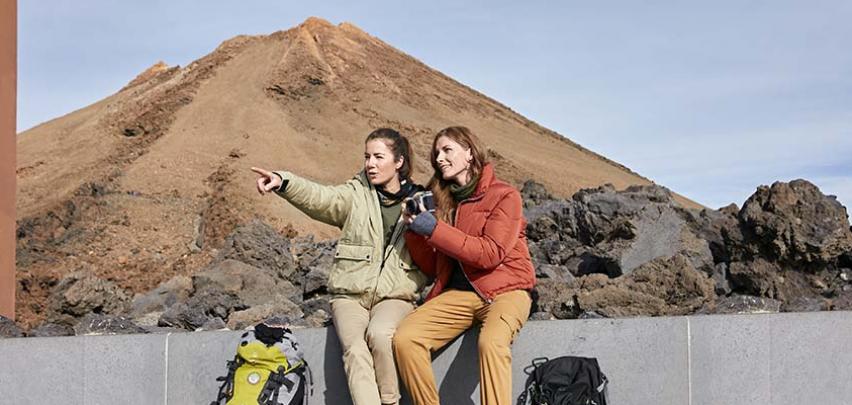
385,255
461,267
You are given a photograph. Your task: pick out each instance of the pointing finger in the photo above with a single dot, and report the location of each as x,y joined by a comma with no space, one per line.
261,172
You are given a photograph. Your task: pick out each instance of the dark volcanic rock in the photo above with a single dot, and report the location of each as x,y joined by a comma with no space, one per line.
214,324
261,246
48,329
279,307
314,260
806,304
165,295
199,309
613,232
664,286
81,293
720,278
843,302
534,194
250,284
745,304
9,329
758,277
556,298
183,316
99,324
797,224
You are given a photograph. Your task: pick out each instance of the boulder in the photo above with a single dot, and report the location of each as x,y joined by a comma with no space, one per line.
168,293
280,307
9,329
200,308
261,246
614,232
49,329
661,287
81,293
314,260
795,223
251,285
100,324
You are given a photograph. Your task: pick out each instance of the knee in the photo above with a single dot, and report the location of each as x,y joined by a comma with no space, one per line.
492,343
379,338
403,339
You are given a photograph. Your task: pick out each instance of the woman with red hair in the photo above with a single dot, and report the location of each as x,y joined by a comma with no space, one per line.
476,249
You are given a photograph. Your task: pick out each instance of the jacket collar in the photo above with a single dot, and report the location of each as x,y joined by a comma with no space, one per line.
486,178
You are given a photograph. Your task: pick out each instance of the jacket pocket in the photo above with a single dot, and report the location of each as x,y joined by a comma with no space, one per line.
353,252
406,262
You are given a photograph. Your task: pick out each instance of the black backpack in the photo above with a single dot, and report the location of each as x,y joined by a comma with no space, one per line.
564,380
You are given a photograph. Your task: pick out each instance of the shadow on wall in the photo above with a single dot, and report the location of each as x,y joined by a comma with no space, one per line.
458,386
336,387
462,376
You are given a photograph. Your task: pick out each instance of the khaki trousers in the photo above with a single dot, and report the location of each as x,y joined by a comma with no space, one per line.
448,315
366,339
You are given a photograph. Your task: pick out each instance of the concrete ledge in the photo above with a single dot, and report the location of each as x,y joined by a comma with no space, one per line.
766,359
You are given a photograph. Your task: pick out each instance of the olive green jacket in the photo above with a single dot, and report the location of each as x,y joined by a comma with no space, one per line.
362,269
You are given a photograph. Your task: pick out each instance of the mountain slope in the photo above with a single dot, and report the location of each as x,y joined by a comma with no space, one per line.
145,184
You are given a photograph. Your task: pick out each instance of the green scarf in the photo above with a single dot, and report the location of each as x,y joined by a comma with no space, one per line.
461,193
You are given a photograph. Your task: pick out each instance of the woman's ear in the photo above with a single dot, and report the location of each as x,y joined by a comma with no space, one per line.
399,162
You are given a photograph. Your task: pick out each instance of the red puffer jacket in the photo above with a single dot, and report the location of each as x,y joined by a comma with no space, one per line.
489,240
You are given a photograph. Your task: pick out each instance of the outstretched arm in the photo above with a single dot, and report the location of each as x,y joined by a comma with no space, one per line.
328,204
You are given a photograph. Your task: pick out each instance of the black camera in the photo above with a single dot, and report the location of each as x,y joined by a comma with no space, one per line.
424,198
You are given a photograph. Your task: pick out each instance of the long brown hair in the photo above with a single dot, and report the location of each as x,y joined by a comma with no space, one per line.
444,201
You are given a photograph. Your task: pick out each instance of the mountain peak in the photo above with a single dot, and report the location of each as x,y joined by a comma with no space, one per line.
316,22
159,173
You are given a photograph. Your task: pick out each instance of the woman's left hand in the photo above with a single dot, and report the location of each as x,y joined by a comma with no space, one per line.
407,216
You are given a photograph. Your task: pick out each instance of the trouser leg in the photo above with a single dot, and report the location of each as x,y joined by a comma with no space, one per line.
501,321
425,330
350,322
384,320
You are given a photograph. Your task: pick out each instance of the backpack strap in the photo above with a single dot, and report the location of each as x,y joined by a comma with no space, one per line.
226,390
309,390
269,393
532,391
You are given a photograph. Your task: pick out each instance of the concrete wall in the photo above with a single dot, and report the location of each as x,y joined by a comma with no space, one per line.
755,359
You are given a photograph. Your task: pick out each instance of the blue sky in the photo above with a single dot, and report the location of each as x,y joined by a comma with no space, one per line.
710,99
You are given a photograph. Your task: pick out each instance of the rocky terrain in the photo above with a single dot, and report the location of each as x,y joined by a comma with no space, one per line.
138,212
602,253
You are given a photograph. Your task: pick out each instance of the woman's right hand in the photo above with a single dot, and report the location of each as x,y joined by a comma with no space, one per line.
267,181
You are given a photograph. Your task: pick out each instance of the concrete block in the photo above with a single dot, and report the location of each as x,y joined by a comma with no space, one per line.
194,361
645,359
810,361
730,359
42,371
124,369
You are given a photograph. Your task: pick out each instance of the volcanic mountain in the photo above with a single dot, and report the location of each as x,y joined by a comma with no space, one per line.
146,183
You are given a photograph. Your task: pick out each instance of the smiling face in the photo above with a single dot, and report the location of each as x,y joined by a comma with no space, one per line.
380,166
453,160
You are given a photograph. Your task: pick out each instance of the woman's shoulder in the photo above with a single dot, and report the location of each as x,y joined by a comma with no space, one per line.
500,188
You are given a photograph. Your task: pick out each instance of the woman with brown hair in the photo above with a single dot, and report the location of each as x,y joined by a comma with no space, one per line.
373,280
475,246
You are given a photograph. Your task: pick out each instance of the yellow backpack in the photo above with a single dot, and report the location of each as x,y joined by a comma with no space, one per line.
268,369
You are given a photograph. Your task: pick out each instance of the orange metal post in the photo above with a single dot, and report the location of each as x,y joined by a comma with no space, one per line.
8,91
